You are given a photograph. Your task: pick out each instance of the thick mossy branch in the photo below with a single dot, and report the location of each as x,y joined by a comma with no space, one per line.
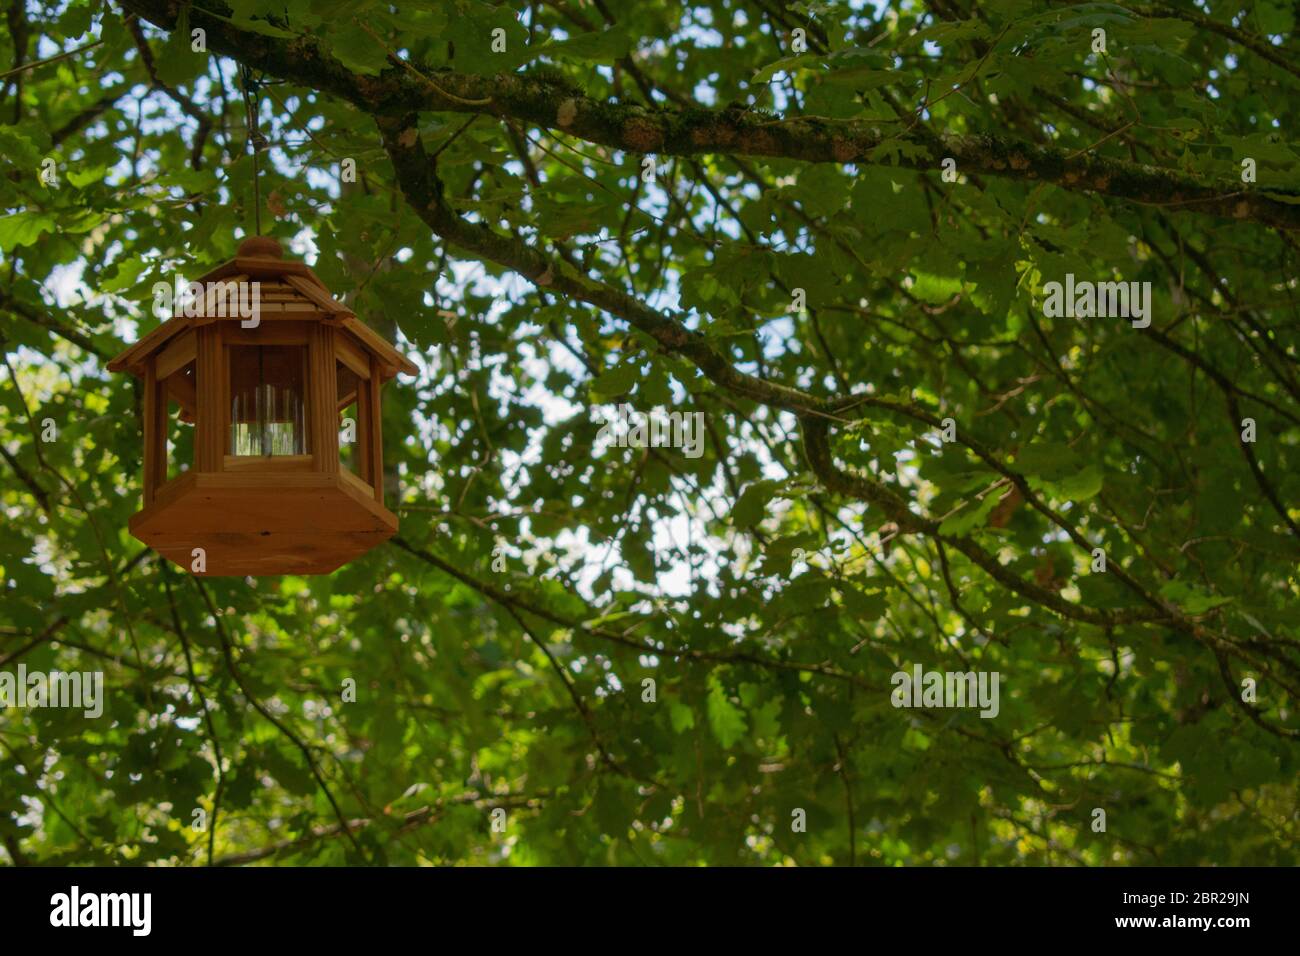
540,101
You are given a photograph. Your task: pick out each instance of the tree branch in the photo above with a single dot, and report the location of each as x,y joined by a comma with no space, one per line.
693,130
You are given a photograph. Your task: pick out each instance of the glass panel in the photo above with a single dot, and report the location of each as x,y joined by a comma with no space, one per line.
267,408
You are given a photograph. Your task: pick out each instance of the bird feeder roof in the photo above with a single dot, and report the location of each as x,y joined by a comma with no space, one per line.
288,290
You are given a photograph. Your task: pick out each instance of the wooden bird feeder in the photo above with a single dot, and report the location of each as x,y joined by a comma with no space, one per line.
242,453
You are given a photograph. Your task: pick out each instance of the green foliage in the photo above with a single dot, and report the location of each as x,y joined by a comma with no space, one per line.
769,607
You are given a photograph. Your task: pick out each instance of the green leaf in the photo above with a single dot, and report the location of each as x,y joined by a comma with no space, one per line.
786,65
1047,459
471,34
682,717
177,63
81,178
615,382
864,606
22,229
125,275
1079,486
17,148
252,15
605,46
1192,599
751,506
1274,17
358,50
972,515
725,719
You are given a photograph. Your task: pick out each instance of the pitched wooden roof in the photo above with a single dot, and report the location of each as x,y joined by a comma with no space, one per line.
287,290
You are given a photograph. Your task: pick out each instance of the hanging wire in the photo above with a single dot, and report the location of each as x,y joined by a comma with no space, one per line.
256,141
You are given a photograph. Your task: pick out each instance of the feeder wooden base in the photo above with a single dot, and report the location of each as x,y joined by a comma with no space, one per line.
264,524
